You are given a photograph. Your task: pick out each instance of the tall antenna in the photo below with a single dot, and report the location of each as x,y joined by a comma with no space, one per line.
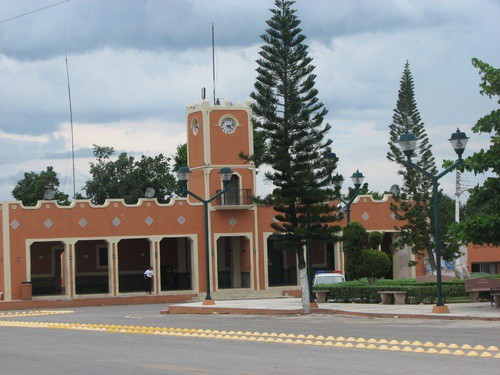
213,59
70,115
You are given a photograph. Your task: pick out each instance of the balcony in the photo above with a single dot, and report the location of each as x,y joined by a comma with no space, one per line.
235,199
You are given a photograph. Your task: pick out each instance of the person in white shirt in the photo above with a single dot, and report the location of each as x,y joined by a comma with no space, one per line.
148,276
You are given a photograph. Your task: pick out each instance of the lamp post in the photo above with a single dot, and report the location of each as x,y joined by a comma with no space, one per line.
408,144
357,178
183,175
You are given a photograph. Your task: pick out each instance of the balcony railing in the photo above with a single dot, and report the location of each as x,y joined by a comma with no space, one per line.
235,197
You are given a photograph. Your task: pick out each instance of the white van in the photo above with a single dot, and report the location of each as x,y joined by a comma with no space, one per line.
328,277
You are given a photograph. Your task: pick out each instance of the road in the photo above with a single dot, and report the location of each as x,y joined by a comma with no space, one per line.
138,340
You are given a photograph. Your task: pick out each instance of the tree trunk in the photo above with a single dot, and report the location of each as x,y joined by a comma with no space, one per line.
432,260
304,282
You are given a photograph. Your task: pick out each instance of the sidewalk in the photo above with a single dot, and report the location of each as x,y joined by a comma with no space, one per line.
292,306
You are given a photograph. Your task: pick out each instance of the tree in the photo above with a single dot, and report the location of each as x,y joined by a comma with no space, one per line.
375,239
374,265
363,190
32,188
288,116
482,222
450,247
354,241
180,160
127,178
413,202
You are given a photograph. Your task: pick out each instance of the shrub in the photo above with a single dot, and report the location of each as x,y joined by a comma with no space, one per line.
374,265
375,239
354,239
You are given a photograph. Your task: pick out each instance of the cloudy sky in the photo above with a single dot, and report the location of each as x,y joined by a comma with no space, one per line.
135,64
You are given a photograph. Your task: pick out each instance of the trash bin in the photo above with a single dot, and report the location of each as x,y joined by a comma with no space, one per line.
26,290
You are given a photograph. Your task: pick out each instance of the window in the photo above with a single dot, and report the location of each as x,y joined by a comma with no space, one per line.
102,257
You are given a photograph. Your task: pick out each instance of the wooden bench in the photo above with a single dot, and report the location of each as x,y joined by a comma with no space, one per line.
321,295
495,296
393,296
480,284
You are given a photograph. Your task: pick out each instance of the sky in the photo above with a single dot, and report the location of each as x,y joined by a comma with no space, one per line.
134,65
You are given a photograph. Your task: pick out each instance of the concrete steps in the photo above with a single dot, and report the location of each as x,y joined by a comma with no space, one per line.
241,294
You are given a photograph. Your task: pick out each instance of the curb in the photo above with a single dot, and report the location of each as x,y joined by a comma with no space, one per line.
206,310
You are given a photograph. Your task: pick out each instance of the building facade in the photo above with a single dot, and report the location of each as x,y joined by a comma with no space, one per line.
87,251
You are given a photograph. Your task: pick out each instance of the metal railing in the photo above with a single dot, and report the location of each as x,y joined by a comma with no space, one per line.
235,197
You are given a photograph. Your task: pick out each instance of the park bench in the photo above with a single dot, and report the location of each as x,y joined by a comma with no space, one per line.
480,284
393,296
321,295
495,296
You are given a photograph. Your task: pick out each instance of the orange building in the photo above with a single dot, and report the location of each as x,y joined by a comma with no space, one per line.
84,251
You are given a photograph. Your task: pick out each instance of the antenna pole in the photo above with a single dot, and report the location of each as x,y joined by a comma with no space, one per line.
71,122
213,58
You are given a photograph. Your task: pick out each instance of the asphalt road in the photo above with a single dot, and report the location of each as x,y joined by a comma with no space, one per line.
138,340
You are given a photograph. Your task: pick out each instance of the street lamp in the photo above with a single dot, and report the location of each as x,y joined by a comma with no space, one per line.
357,178
183,175
408,143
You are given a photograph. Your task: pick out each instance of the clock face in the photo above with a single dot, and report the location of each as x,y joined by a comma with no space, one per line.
228,125
196,127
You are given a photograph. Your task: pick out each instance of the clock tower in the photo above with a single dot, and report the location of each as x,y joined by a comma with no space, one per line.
216,135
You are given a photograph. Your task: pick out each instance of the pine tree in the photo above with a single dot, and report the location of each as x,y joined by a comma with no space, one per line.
413,202
288,116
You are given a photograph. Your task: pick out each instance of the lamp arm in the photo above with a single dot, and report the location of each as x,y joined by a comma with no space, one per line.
452,167
217,195
343,200
356,192
418,168
197,197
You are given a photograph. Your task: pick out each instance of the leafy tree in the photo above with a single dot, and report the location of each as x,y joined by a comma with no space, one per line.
375,239
32,187
288,116
354,241
374,265
413,202
128,178
450,247
180,160
363,190
482,223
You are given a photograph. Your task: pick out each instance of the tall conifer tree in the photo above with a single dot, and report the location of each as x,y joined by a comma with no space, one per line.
413,203
288,116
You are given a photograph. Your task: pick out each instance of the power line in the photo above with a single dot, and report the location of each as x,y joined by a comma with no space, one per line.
38,10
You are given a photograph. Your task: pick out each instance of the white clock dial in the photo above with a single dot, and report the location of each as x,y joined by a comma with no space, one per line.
228,125
196,127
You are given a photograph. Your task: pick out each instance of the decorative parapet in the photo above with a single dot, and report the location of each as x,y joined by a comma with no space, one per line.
227,104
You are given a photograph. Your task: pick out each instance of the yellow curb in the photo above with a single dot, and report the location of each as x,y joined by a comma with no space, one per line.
458,352
372,340
441,345
320,337
472,354
382,341
288,341
416,343
395,348
444,351
407,349
340,338
298,342
348,345
492,348
453,346
371,346
310,337
466,346
393,342
428,343
419,350
383,347
317,343
432,351
308,342
479,347
351,339
339,344
361,340
330,338
328,343
361,346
